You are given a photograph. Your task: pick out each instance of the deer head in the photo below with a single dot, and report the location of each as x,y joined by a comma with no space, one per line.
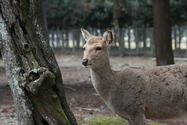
96,49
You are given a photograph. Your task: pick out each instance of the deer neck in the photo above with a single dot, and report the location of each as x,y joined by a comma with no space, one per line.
103,80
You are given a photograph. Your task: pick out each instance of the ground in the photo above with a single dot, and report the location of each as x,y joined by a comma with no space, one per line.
81,96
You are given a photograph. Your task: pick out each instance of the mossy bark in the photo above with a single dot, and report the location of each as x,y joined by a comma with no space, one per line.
21,31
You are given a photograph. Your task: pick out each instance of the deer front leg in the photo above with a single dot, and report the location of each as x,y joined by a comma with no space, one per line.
137,120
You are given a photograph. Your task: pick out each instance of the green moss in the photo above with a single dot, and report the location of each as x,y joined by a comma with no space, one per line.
103,120
51,78
33,38
107,120
25,63
37,103
24,8
53,106
56,107
51,75
154,124
32,61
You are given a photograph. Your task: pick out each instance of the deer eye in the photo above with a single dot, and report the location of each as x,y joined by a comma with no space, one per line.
98,48
84,49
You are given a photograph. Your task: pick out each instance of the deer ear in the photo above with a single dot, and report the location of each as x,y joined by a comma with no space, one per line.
85,34
108,37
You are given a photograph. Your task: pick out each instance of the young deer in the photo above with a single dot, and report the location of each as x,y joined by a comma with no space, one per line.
158,93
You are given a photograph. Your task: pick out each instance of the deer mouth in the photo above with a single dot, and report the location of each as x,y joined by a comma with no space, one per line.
87,66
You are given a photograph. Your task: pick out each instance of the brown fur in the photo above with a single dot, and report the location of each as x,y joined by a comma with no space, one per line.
135,94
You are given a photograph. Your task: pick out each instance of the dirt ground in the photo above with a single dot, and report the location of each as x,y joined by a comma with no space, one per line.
81,96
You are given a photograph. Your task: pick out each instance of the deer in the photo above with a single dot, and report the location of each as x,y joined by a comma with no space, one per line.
135,93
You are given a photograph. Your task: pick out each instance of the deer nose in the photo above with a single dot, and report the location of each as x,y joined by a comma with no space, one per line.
84,62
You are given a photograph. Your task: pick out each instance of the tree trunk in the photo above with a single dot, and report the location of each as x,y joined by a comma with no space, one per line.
181,31
117,31
44,19
67,38
33,73
175,37
129,38
12,65
162,32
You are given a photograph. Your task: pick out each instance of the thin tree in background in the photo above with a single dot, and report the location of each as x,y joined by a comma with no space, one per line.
162,32
117,31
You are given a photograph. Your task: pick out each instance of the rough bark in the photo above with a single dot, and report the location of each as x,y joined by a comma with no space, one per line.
44,19
12,64
26,51
162,32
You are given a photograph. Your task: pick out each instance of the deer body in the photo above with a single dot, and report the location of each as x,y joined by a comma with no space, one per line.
136,93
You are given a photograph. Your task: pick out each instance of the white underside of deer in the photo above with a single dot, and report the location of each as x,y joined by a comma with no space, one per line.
158,93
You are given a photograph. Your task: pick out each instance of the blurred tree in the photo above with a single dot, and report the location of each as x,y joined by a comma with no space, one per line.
117,31
84,13
178,10
99,17
142,14
162,32
115,7
67,14
178,19
99,13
